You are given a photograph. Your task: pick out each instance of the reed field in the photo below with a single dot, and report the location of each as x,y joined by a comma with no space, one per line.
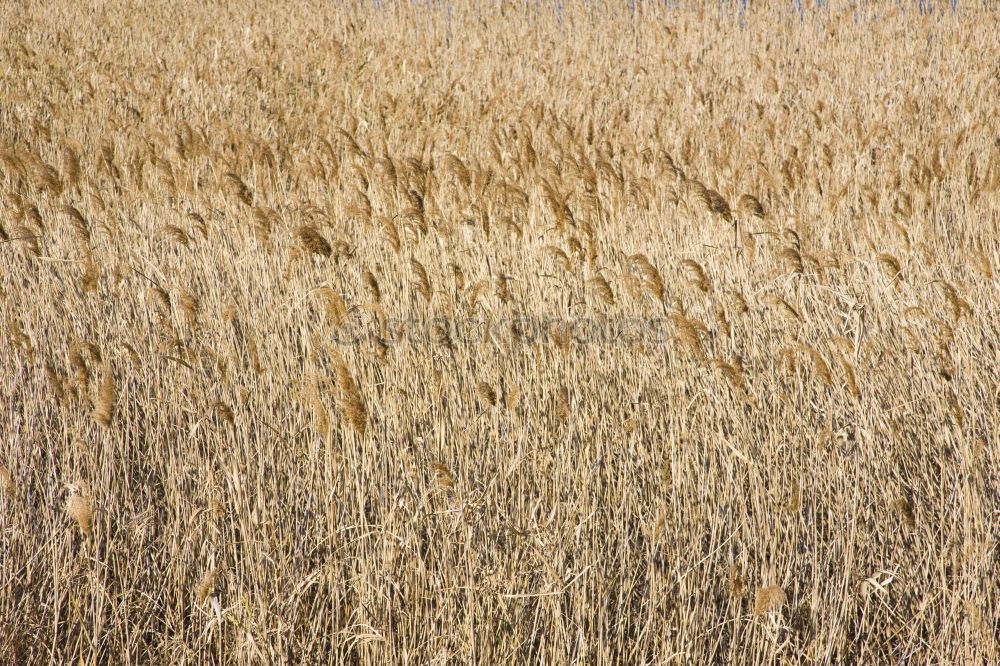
499,333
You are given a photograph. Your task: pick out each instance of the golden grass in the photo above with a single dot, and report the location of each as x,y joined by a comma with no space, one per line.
494,335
